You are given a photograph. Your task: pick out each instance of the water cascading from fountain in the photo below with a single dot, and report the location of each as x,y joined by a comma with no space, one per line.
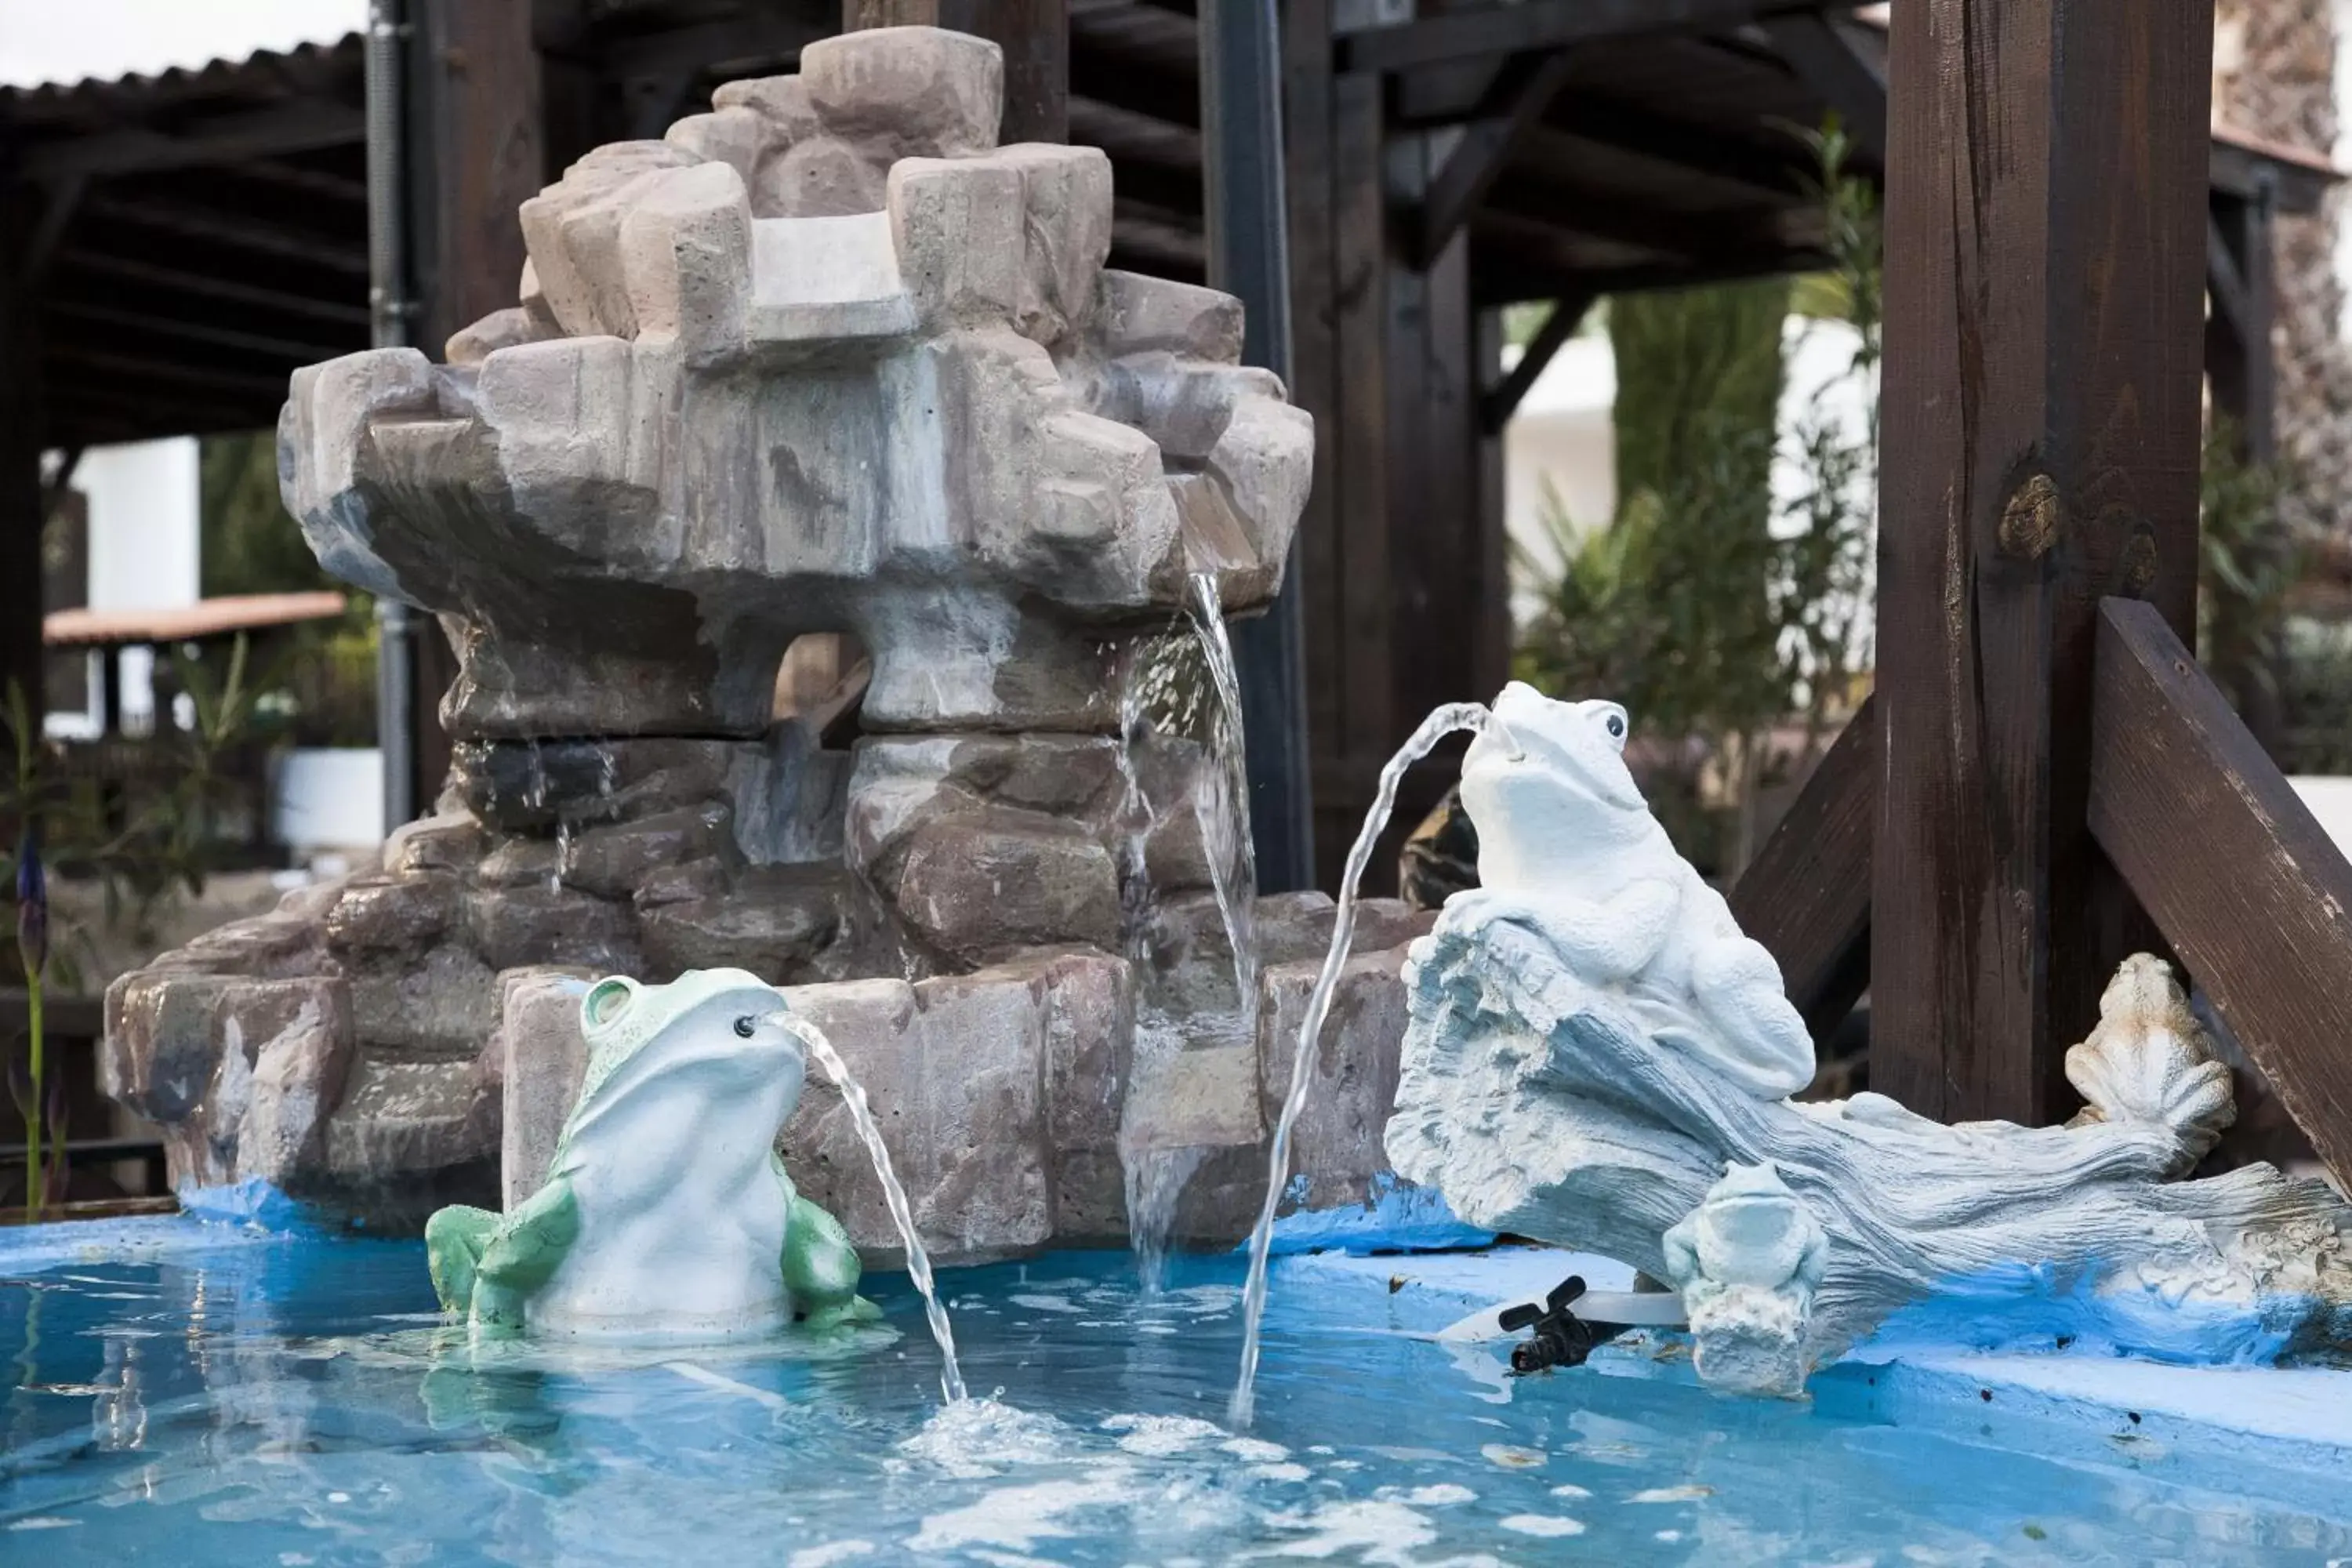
1178,684
1445,722
1221,796
919,1262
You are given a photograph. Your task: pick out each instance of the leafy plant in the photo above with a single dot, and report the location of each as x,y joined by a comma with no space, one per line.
1709,611
2250,560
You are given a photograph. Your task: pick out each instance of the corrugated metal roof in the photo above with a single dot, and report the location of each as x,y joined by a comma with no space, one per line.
269,73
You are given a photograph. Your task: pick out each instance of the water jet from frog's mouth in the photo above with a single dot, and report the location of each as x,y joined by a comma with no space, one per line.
1445,720
861,1115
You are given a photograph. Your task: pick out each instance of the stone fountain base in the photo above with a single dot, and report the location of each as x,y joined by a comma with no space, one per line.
374,1049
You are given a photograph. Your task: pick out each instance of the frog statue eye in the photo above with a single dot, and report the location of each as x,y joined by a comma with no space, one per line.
1616,726
608,999
746,1027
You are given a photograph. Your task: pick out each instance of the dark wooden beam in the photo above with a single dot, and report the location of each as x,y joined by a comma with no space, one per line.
2236,169
350,310
2242,274
476,157
1806,895
1828,57
303,127
1768,173
1501,400
2046,205
199,371
1169,239
41,248
195,329
1505,29
2246,886
53,494
22,435
233,232
1525,91
764,38
477,139
1034,34
1514,280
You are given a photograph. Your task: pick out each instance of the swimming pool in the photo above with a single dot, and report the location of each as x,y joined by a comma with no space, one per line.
203,1395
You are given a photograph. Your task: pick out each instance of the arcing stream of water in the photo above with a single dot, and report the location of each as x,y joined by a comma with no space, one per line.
1437,726
919,1262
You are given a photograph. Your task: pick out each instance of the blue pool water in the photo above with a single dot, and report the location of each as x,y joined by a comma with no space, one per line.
199,1395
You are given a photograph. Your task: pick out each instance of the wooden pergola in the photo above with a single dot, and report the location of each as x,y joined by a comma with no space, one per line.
2043,781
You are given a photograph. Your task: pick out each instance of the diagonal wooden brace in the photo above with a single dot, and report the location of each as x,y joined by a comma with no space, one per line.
2236,871
1806,895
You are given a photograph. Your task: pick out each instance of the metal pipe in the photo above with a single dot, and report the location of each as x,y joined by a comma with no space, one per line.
395,671
1249,256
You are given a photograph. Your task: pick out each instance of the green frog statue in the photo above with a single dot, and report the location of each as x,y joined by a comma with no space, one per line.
666,1214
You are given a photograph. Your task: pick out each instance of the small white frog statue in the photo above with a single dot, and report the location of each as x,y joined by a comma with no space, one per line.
1748,1260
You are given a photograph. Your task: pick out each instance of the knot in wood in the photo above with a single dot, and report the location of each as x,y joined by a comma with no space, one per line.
2030,522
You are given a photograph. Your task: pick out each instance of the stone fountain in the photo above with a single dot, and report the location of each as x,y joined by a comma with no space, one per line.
796,531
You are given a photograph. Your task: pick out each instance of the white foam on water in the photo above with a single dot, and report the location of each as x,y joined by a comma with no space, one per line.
1370,1530
1161,1436
1017,1517
831,1552
1543,1524
1445,1494
1047,1304
976,1437
1672,1494
1256,1450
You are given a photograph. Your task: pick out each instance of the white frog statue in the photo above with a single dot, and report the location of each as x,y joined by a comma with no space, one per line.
666,1215
1568,847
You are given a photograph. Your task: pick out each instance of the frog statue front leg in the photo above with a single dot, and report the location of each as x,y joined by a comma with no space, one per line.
820,1266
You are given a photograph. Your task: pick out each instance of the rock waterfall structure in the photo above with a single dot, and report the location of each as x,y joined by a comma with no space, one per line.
825,380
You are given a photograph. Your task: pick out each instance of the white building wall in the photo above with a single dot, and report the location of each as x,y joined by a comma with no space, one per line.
144,538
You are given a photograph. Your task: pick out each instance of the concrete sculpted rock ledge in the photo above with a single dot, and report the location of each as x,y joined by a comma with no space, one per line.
823,368
1591,1059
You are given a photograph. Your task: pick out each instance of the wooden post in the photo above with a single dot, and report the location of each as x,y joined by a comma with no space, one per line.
2046,234
1034,34
477,153
2242,278
20,474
